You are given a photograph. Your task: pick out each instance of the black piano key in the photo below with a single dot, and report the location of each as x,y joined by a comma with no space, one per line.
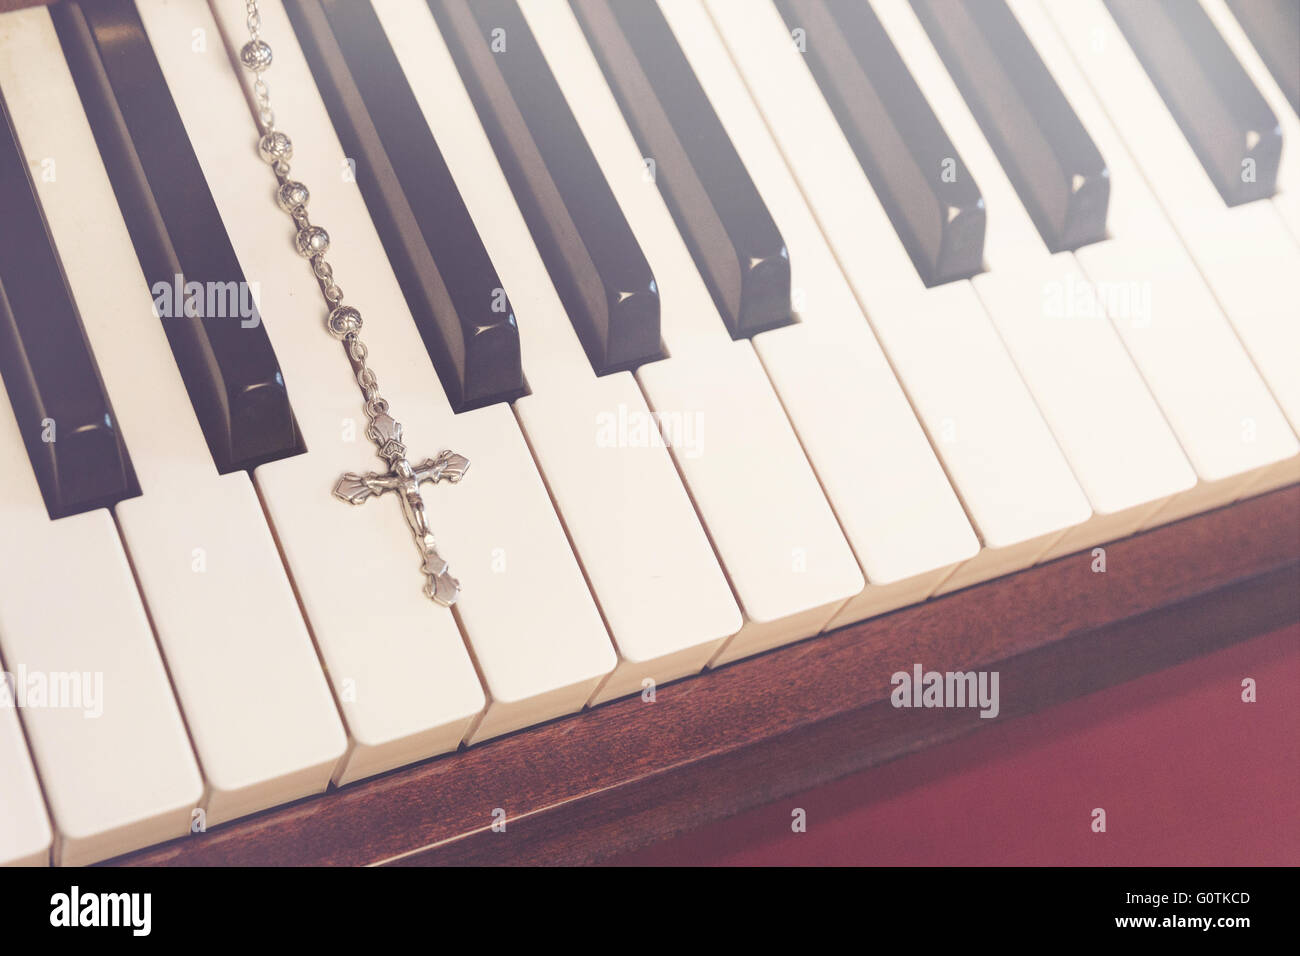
722,217
1273,27
1049,157
214,329
64,415
593,258
455,295
929,194
1225,119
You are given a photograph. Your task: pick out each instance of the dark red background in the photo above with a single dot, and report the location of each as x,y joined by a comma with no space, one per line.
1188,775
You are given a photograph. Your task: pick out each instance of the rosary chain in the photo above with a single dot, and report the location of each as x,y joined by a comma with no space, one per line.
344,322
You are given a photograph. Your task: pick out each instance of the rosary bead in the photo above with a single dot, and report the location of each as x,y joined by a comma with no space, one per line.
344,321
291,195
313,241
275,147
255,55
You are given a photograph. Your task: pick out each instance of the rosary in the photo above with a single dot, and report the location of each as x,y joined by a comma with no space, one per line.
344,323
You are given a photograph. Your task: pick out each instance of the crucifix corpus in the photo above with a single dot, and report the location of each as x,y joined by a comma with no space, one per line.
405,479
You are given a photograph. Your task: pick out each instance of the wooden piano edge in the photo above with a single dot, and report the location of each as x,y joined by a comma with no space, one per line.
629,773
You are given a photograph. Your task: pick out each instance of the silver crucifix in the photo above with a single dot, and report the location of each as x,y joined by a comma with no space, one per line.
405,479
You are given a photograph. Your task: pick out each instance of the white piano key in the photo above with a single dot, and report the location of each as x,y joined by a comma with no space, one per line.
883,480
404,681
24,827
105,733
657,580
1287,198
649,562
533,628
1223,414
765,513
777,537
1110,429
117,766
999,453
260,714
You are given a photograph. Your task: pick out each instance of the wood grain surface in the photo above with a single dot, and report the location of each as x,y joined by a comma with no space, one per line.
628,773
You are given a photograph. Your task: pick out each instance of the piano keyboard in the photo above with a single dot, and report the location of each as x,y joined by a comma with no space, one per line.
756,318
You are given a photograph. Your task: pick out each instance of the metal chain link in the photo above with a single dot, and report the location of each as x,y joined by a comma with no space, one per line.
260,90
332,291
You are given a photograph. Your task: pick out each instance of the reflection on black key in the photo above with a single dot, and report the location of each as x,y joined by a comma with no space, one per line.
930,195
1049,157
456,298
205,304
1225,119
593,258
1274,28
731,235
54,386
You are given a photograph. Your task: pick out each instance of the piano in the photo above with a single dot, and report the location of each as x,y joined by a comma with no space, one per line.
794,343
